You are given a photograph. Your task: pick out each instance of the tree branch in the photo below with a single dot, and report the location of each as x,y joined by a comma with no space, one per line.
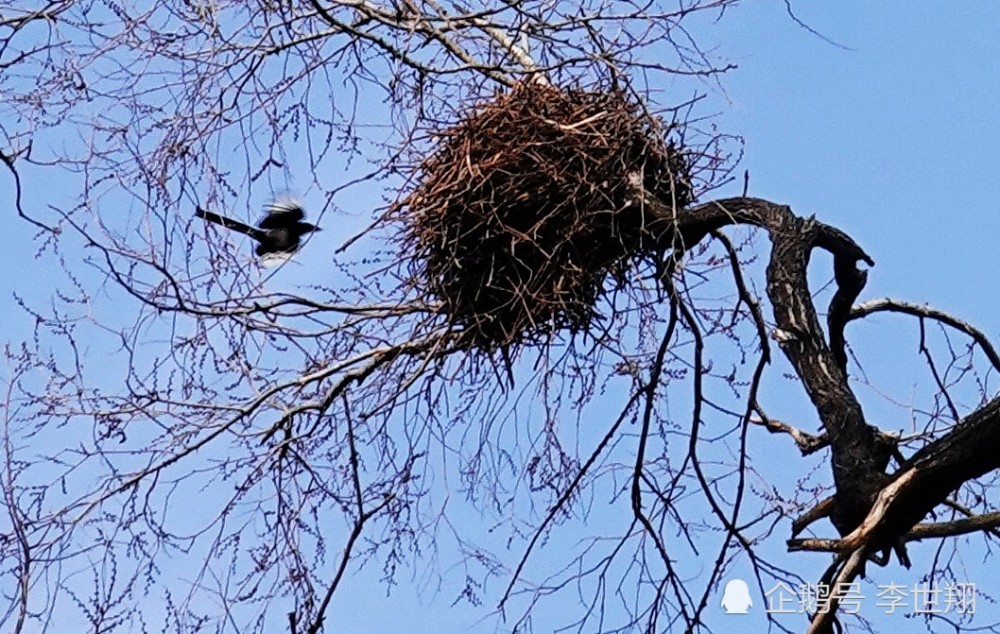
887,304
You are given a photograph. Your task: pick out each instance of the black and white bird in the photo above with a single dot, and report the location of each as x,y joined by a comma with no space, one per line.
278,234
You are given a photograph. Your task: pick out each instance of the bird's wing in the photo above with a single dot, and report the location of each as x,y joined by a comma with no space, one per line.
271,259
229,223
282,213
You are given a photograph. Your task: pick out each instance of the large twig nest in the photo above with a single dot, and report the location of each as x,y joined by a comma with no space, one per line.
528,205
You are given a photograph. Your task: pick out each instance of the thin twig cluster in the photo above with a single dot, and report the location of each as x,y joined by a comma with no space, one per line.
531,202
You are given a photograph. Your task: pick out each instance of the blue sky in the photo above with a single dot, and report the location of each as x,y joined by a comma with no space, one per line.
893,137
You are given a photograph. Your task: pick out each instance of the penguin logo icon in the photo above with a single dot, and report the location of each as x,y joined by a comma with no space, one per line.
736,598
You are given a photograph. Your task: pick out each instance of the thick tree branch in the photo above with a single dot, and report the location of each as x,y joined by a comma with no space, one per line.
924,482
816,513
987,522
807,443
930,475
860,451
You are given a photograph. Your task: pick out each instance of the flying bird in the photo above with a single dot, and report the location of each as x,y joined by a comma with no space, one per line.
278,234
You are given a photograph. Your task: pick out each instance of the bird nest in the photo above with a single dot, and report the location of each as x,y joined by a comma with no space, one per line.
529,205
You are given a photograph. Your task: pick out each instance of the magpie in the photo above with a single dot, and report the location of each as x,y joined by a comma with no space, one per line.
278,234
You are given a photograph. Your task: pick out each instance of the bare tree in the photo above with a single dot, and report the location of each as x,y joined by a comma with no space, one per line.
176,402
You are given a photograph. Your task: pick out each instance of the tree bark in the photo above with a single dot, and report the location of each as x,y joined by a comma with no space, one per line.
860,451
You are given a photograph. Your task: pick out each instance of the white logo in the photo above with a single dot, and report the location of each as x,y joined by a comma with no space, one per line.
736,598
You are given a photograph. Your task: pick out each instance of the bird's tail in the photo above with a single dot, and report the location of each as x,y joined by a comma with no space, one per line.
228,223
